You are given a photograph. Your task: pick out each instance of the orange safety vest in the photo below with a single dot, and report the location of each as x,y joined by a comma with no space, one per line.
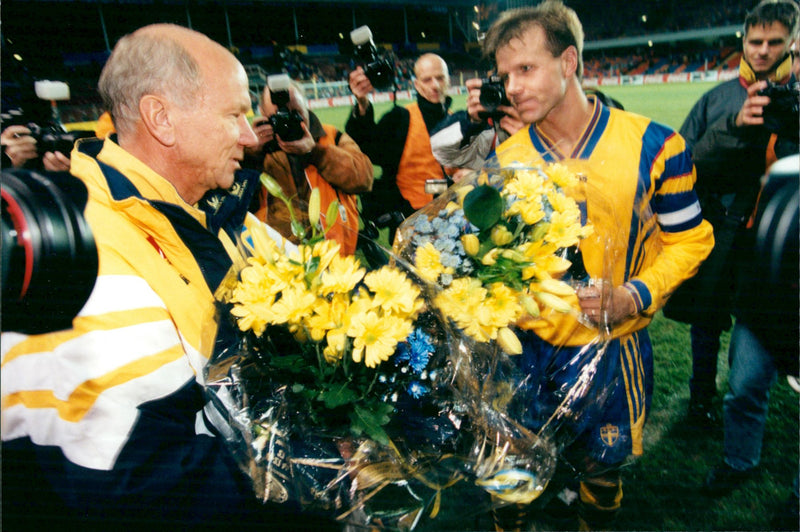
345,230
417,163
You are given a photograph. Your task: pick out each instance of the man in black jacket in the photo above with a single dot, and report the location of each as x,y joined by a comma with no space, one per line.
730,129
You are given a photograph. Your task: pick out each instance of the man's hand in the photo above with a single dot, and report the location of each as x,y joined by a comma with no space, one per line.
510,122
55,161
263,130
19,145
474,106
360,86
619,304
301,146
752,111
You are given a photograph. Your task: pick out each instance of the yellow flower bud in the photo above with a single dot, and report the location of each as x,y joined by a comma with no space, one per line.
513,254
313,207
450,207
508,341
471,244
530,305
271,185
490,258
554,286
554,302
501,235
332,214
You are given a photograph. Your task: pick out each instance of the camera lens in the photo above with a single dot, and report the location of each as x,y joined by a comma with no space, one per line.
493,93
49,256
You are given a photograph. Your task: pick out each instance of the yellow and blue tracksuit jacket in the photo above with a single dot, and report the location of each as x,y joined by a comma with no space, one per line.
114,406
649,237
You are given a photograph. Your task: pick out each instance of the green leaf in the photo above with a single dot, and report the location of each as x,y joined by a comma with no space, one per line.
289,362
483,206
338,395
370,421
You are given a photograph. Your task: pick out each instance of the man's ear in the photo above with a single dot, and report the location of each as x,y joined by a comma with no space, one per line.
569,61
156,118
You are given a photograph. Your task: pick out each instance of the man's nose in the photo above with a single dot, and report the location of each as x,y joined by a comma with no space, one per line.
247,137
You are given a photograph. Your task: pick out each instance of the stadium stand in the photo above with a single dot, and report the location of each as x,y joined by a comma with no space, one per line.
309,41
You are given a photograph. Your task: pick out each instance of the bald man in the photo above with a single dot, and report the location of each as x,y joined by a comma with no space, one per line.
103,425
400,142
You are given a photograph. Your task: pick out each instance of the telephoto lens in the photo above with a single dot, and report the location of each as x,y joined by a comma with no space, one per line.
49,255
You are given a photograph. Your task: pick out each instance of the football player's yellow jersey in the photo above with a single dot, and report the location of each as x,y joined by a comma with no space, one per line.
639,195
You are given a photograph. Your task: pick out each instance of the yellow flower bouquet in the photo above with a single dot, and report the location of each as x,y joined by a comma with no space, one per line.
503,251
337,392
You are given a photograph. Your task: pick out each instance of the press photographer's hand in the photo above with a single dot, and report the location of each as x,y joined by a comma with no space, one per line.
18,145
510,121
301,146
360,86
55,161
474,106
752,111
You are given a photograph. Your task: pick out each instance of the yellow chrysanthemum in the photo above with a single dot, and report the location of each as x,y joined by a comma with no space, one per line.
328,313
428,261
564,230
375,338
561,175
253,317
563,203
256,285
295,304
342,275
525,184
503,305
542,261
530,209
327,251
393,291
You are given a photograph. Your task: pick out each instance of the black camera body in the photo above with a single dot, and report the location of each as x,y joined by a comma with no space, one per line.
50,137
493,95
782,114
54,138
286,123
378,69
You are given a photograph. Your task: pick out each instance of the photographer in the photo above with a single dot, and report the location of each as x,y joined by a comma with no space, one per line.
322,157
400,142
734,130
465,138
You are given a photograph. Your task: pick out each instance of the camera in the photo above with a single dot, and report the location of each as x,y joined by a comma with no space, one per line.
493,95
783,112
286,123
49,255
378,69
50,137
